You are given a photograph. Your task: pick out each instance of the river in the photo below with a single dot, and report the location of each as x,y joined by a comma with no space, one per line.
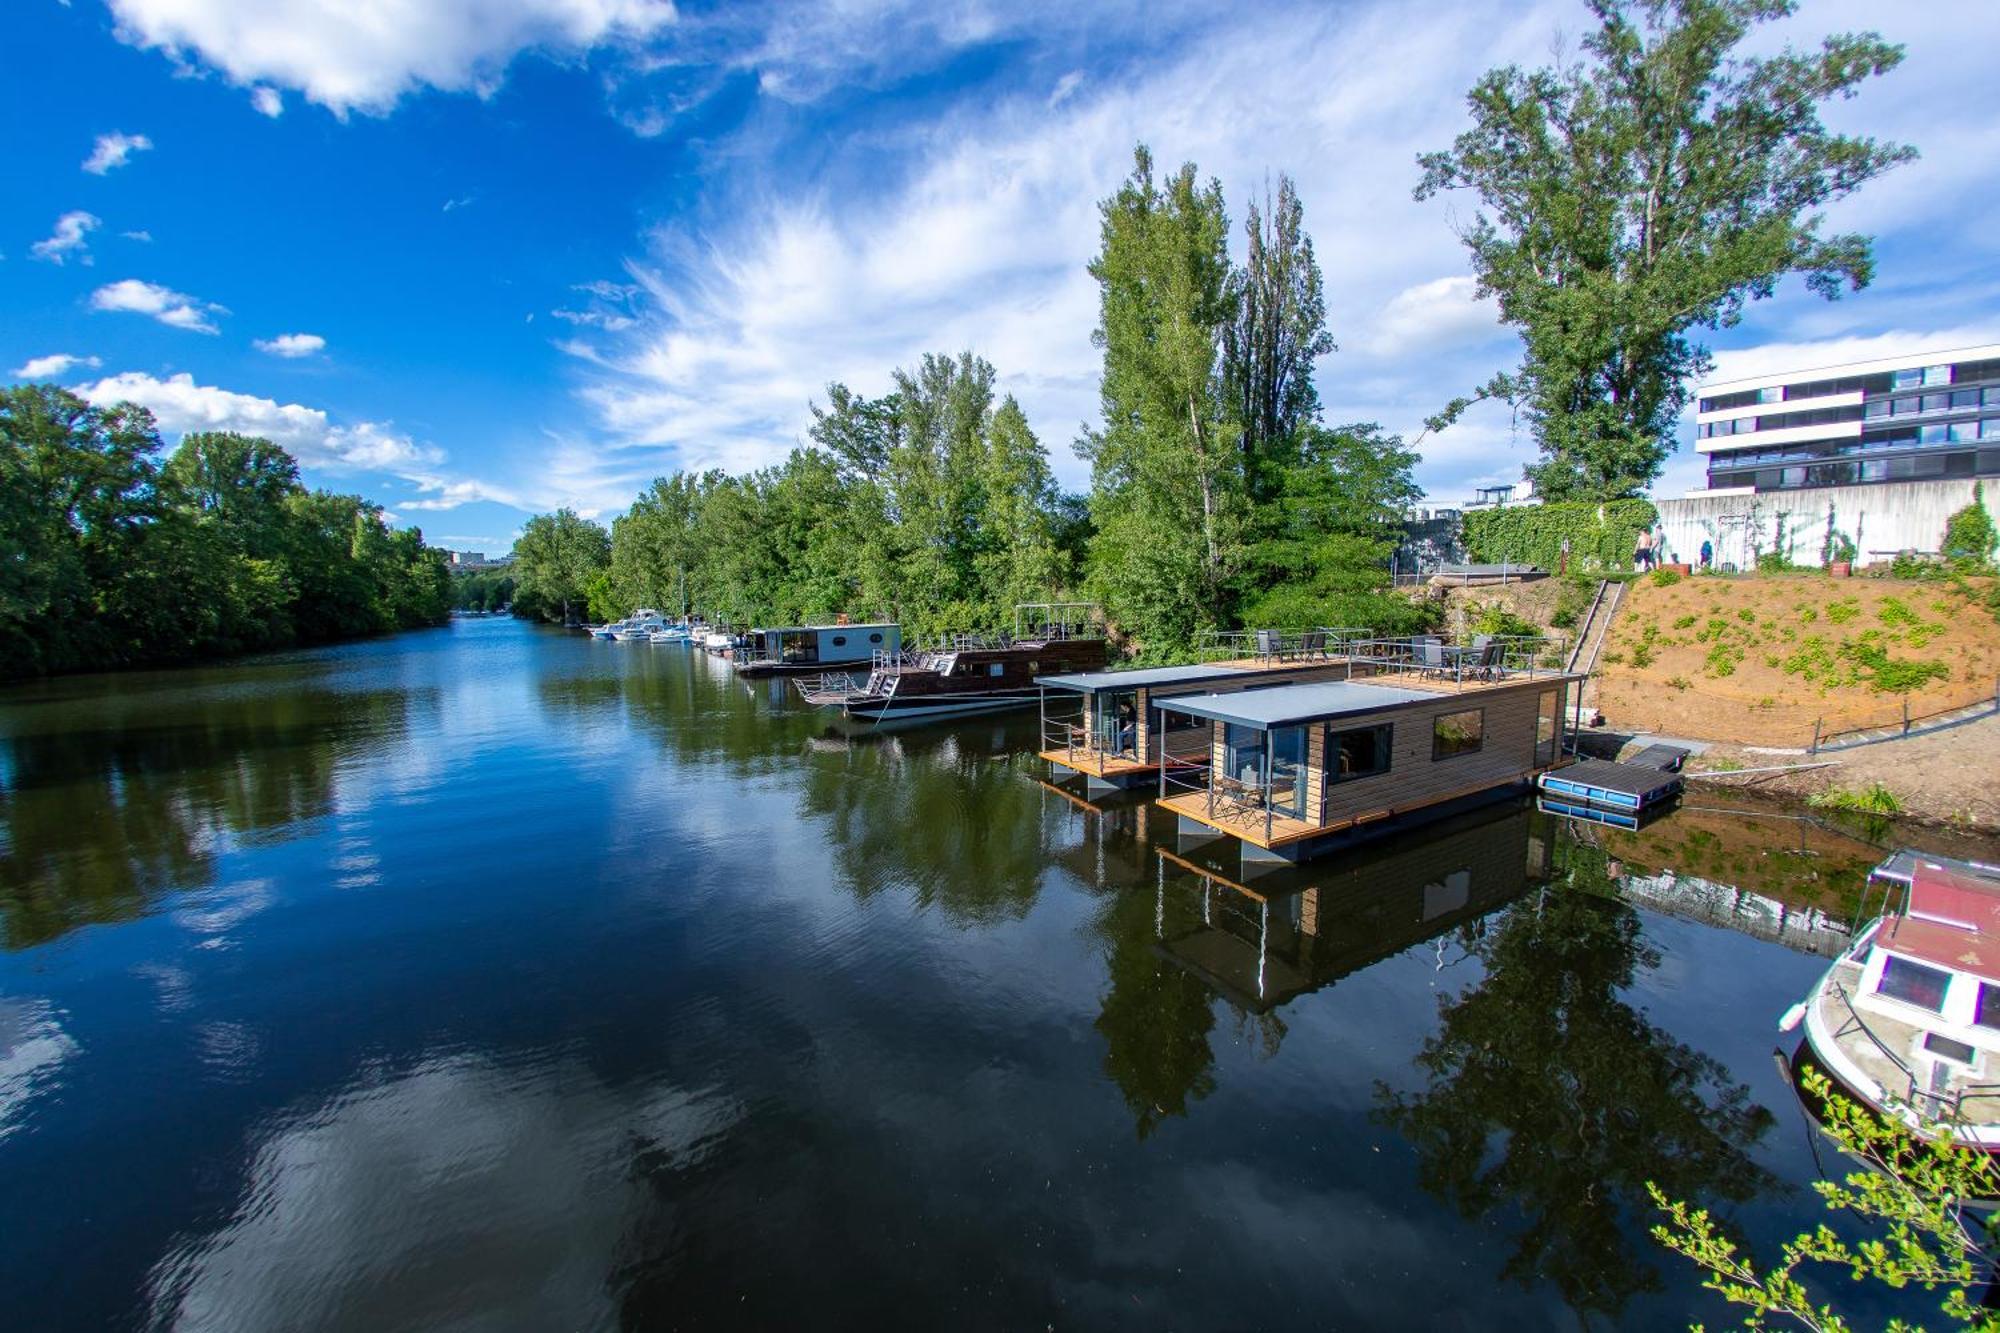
493,977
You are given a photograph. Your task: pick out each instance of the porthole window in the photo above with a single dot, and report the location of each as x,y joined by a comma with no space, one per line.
874,638
840,640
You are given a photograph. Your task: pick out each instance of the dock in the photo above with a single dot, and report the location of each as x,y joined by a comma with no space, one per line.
1628,788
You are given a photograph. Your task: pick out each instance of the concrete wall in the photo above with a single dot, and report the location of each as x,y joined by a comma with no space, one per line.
1881,520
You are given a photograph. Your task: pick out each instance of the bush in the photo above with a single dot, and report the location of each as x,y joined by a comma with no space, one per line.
1969,536
1874,799
1774,562
1916,567
1600,536
1665,578
1498,620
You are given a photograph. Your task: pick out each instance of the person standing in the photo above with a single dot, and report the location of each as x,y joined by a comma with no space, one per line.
1642,552
1707,554
1562,562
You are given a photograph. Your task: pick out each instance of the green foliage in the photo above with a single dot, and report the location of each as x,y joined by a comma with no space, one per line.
482,590
1907,565
1498,620
557,558
1653,185
1601,536
1665,578
1573,598
1969,536
1774,562
114,558
1644,652
1842,611
1911,1195
1874,799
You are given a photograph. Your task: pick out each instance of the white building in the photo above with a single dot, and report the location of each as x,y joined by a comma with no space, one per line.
1862,460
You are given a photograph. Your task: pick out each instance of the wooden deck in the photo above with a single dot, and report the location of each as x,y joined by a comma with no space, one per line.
1096,763
1242,821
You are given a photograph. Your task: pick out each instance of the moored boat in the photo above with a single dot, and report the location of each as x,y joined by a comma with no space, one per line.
1907,1018
798,650
967,674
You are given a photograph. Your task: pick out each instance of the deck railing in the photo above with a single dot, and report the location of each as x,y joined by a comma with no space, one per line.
1323,643
1487,660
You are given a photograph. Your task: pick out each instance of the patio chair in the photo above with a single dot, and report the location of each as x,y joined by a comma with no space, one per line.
1313,644
1429,656
1267,643
1491,663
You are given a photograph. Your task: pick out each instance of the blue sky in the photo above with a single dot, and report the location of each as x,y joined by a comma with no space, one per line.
480,258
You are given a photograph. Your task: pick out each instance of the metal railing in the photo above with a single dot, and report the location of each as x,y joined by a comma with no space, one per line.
1323,643
1487,660
1946,1104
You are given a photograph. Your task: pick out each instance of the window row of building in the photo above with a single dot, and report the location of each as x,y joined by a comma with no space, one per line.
1888,381
1932,466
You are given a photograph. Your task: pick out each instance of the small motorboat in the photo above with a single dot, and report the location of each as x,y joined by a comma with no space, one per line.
1907,1018
671,634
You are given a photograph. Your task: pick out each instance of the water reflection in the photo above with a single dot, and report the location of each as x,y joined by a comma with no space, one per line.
108,806
1553,1099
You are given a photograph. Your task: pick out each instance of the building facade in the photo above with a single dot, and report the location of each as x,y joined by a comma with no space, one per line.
1857,461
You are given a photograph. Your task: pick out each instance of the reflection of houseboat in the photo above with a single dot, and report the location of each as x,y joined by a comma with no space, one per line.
1299,931
1908,1018
1107,725
966,674
1295,768
800,649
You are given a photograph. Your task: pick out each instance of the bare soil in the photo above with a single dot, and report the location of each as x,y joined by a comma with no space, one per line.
1761,661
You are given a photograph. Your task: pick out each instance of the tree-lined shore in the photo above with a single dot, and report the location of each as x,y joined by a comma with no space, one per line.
118,554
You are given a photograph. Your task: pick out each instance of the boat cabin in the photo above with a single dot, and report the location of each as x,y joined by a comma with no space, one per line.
1299,767
805,648
1911,1013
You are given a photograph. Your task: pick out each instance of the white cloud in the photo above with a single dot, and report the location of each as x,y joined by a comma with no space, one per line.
114,150
267,101
307,433
291,346
1429,316
145,237
70,239
463,201
162,303
365,57
53,365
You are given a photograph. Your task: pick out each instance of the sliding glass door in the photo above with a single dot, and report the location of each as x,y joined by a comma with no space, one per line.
1288,771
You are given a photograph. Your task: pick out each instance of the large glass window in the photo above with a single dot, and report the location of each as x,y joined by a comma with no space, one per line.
1876,407
1908,379
1936,375
1288,771
1936,402
1931,435
1987,1015
1116,726
1243,754
1458,733
1548,728
1359,753
1914,983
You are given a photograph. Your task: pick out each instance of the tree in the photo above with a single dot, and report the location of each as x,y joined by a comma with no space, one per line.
556,555
1165,469
1654,186
1278,331
239,483
1969,537
1914,1190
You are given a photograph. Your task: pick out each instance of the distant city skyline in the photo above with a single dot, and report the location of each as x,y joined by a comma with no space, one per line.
530,253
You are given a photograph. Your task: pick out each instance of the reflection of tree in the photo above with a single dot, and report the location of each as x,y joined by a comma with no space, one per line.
1551,1097
97,819
1155,1019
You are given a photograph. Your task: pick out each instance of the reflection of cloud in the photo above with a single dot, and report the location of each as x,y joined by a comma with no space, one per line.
217,911
176,985
33,1047
516,1183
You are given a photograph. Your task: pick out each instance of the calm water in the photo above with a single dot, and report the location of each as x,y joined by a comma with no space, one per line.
494,978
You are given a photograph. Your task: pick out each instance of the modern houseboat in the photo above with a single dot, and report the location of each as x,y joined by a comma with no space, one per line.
969,674
1106,725
1907,1019
1295,769
798,650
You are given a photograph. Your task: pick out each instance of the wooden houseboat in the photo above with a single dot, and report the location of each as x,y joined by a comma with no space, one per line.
1106,725
967,674
797,650
1295,769
1907,1019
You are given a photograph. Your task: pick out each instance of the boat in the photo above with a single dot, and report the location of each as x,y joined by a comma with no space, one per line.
640,626
968,674
607,631
798,650
719,641
672,634
1907,1018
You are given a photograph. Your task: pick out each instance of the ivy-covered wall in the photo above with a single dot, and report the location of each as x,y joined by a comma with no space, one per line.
1600,536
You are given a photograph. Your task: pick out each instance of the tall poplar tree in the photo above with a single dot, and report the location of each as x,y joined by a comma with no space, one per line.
1165,467
1278,331
1654,185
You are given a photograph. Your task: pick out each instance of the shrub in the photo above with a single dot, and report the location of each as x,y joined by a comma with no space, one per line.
1774,562
1682,622
1665,578
1722,660
1679,682
1874,799
1498,620
1642,652
1969,536
1843,611
1916,567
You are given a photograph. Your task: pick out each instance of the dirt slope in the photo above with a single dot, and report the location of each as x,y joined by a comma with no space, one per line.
1758,661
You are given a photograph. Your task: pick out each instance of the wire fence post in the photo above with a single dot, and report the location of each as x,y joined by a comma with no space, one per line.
1906,715
1815,740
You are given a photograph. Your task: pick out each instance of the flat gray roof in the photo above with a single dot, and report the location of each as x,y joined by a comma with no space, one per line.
1287,705
1090,682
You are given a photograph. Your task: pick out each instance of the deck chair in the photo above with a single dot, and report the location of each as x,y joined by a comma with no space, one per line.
1267,643
1313,644
1430,656
1490,663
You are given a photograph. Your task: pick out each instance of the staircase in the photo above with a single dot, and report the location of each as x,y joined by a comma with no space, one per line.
1590,636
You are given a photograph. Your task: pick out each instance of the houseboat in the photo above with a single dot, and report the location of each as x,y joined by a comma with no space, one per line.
797,650
966,674
1106,725
1907,1019
1298,768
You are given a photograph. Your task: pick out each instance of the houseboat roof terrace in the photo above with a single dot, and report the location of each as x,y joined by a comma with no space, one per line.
1289,705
